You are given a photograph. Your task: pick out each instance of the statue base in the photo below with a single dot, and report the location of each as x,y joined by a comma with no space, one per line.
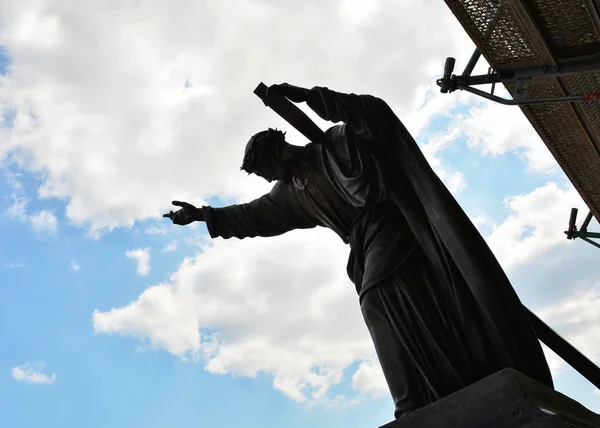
504,399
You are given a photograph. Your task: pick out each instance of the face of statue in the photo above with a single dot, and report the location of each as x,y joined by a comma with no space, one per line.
267,159
272,168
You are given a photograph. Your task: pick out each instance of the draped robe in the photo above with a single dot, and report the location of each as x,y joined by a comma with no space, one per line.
440,310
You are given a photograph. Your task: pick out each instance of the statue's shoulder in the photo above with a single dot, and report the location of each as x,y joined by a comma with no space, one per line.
335,136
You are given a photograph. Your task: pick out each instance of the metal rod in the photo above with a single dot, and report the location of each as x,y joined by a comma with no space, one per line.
520,102
592,234
586,222
446,81
589,241
472,63
510,76
593,7
481,79
571,232
559,71
565,350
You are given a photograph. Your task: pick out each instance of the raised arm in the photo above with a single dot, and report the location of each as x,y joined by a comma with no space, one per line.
365,115
272,214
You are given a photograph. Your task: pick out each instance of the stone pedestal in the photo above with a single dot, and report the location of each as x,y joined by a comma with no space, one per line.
504,399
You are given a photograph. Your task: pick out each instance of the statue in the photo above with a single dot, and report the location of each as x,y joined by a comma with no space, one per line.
440,310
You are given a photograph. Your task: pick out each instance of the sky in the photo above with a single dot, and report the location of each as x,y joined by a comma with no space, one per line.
111,316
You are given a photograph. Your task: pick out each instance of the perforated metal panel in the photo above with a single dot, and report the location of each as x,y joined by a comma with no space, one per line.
491,24
518,34
568,27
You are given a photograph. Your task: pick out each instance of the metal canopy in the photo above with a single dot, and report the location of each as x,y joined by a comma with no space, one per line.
549,48
547,55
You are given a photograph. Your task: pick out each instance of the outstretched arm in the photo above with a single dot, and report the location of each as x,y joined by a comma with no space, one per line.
272,214
366,115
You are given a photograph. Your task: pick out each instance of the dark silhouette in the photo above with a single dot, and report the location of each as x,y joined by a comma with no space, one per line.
440,310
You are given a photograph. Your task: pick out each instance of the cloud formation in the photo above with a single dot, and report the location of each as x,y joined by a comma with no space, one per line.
369,378
577,318
497,129
118,142
281,306
534,224
142,257
29,373
224,315
44,221
171,246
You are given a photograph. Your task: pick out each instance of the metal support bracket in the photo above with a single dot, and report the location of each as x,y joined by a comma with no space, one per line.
582,233
522,86
523,80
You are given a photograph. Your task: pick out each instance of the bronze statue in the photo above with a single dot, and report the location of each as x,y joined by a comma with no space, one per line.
440,310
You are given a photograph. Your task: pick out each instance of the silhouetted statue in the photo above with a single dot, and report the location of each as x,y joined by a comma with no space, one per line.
440,310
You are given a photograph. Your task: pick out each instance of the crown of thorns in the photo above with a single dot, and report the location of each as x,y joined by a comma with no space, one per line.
260,144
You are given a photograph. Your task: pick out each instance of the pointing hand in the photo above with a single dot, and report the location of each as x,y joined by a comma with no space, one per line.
186,215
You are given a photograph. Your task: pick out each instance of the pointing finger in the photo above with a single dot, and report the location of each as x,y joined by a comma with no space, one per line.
184,205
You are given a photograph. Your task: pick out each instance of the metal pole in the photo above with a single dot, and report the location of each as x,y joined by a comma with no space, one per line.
586,222
565,350
471,64
519,102
589,241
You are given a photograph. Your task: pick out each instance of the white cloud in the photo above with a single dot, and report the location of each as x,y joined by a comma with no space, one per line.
18,207
13,179
577,319
74,265
481,220
36,29
555,363
496,129
534,225
483,127
358,10
552,275
142,256
44,221
369,378
154,230
148,139
430,103
30,373
178,132
220,306
171,246
454,180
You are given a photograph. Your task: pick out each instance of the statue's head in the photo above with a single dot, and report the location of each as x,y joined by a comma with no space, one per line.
265,156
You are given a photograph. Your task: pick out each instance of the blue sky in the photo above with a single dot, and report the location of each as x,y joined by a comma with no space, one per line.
132,111
46,307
